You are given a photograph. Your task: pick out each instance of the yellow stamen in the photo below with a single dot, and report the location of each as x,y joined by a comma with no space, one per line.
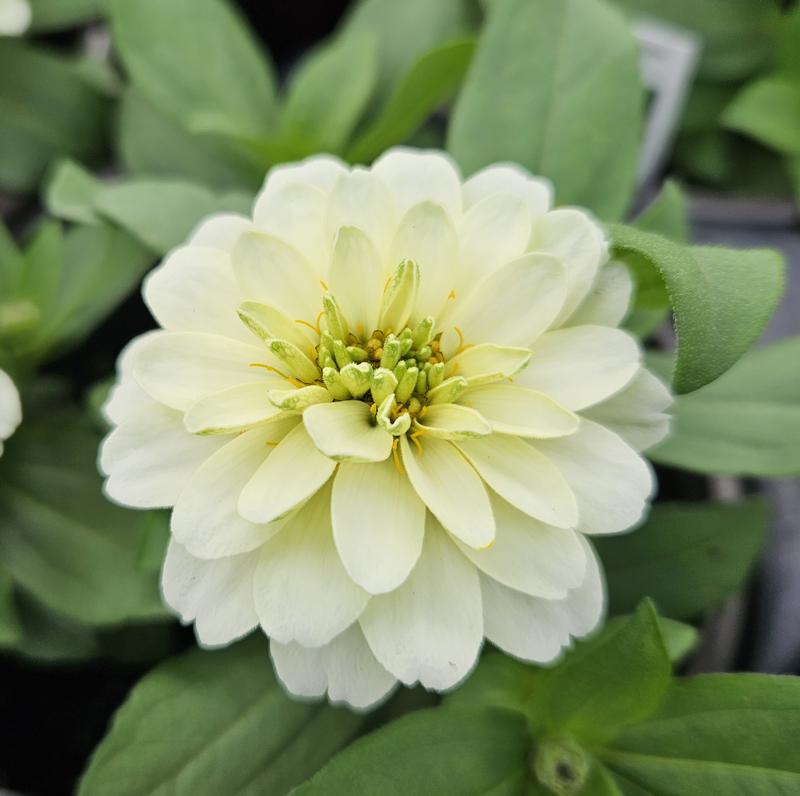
313,327
414,437
294,382
423,411
360,329
396,457
452,295
373,408
324,285
272,442
462,346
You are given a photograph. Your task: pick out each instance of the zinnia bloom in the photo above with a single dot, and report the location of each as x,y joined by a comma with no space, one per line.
15,17
10,408
386,411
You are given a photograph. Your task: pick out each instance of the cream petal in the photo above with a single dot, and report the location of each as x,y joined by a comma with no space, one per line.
179,368
345,668
415,176
510,409
235,409
357,278
636,413
345,431
430,629
487,362
450,421
451,489
427,236
267,322
205,520
220,231
611,482
126,398
271,271
524,477
585,606
578,241
10,406
378,524
216,595
292,473
582,365
302,592
509,178
529,556
318,171
608,301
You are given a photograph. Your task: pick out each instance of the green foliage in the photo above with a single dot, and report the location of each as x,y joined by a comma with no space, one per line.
57,14
688,556
215,722
547,76
746,423
721,299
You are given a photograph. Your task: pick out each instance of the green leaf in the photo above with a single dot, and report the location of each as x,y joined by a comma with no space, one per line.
547,76
60,538
10,629
472,752
161,213
57,14
329,92
585,696
667,214
715,734
688,557
47,110
197,61
679,639
769,111
216,723
746,423
431,80
70,192
721,299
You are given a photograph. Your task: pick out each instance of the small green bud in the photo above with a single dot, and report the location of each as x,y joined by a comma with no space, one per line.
448,391
423,332
391,353
422,382
335,385
400,296
337,325
357,354
357,378
384,383
400,370
435,375
406,384
298,400
340,354
405,344
298,364
561,766
399,425
424,353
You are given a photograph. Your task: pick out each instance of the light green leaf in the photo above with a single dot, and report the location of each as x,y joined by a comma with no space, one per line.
329,92
585,696
161,213
47,110
197,61
547,76
59,537
715,734
679,639
721,299
747,423
471,752
215,723
769,111
667,214
57,14
430,81
70,193
688,557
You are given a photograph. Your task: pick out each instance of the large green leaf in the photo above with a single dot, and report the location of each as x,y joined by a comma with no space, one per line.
56,14
721,299
688,556
554,86
215,723
471,752
430,81
197,61
715,734
47,110
746,423
70,191
667,214
60,539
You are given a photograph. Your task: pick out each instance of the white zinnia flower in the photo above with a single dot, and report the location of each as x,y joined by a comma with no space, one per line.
15,17
386,410
10,408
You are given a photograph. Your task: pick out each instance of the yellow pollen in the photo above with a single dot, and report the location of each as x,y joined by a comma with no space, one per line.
423,411
294,382
373,408
360,329
452,295
272,442
461,345
396,457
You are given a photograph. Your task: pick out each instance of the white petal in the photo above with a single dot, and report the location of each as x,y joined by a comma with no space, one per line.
216,595
524,477
509,178
516,410
611,482
125,398
205,519
430,629
357,278
318,171
180,368
514,305
220,231
427,235
149,458
302,592
450,421
273,272
529,556
487,362
578,241
345,431
582,365
415,176
235,409
293,472
378,524
10,406
636,413
608,300
585,606
360,199
451,489
345,668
